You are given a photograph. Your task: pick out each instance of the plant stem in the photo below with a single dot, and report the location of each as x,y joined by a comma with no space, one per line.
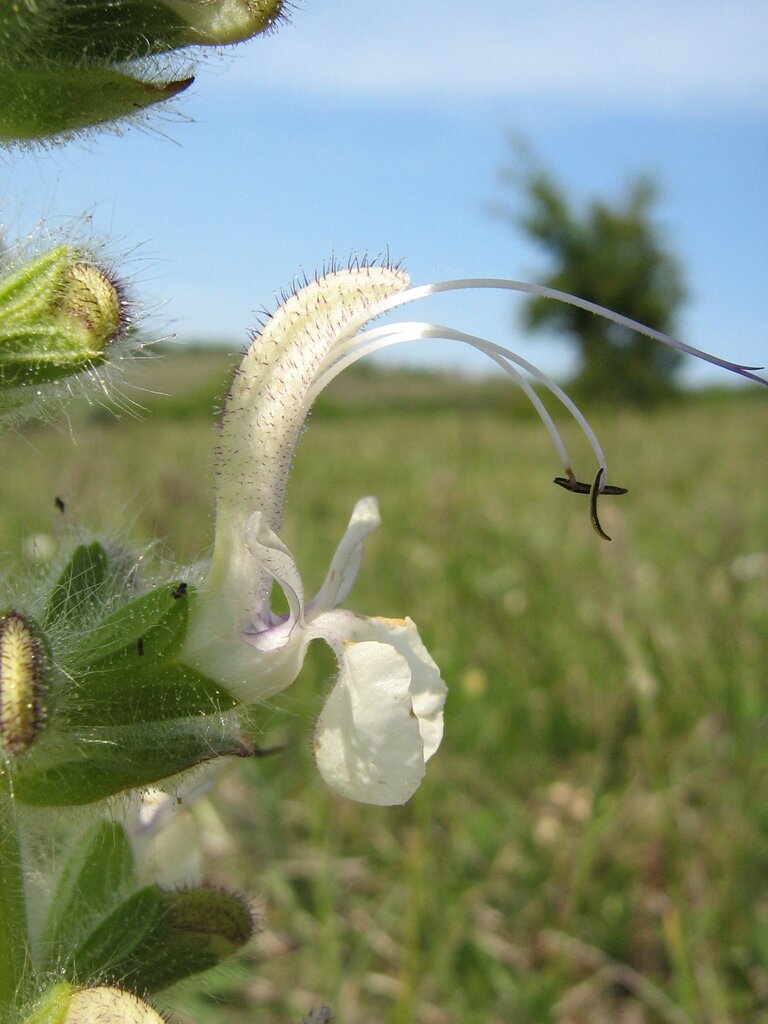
14,938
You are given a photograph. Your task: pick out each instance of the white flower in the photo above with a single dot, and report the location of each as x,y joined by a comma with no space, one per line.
383,718
164,834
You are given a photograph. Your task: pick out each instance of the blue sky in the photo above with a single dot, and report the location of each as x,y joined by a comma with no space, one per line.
368,126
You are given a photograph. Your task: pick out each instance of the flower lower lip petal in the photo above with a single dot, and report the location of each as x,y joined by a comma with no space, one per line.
384,717
367,741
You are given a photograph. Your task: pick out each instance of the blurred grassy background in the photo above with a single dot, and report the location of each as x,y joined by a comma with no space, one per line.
591,843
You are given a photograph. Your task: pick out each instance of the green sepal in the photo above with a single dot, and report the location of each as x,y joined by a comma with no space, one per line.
134,696
105,953
53,1006
41,102
201,928
146,630
104,761
119,31
30,292
14,942
124,671
96,875
216,922
80,588
44,353
157,938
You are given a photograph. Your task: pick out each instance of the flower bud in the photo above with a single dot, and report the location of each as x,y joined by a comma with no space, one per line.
108,1005
93,301
226,21
58,313
22,664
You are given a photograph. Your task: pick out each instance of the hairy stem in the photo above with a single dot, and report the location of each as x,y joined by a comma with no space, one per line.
14,941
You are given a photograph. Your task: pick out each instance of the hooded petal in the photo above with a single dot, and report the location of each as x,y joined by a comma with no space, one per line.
383,718
262,421
274,558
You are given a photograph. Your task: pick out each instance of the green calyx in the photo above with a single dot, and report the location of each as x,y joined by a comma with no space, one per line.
58,314
121,709
157,938
38,103
102,929
67,65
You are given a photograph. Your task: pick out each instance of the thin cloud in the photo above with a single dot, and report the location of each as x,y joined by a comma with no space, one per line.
653,54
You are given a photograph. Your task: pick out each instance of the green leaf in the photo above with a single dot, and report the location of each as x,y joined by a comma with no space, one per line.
105,761
14,942
79,589
126,695
95,876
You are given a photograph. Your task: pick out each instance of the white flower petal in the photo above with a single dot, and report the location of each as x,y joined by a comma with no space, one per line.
223,633
367,741
427,689
348,557
273,556
384,717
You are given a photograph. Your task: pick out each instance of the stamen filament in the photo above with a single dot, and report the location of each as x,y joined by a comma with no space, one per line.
504,284
377,338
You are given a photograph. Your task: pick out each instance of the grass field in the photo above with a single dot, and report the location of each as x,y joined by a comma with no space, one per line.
591,843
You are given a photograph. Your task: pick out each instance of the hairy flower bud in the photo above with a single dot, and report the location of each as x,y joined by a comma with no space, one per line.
227,21
58,312
22,665
64,320
93,301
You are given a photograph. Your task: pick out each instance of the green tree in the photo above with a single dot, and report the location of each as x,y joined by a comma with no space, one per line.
615,255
